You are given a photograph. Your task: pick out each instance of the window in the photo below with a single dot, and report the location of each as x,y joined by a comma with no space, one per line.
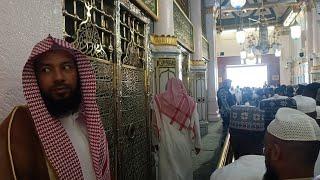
247,76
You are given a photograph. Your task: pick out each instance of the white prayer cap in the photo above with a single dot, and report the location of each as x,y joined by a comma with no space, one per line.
293,125
305,104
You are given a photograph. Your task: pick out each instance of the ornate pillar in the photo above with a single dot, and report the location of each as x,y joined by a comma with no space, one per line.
165,52
198,67
212,67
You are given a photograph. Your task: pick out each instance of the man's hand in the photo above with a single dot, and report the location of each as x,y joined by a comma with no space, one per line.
197,151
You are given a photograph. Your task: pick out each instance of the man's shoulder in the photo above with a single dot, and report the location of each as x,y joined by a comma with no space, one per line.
19,119
241,169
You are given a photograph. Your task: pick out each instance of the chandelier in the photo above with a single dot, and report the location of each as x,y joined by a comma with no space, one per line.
263,43
238,4
258,43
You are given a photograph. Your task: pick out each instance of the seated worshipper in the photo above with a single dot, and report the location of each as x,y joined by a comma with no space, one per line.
291,146
306,105
311,90
269,92
278,94
58,134
176,131
271,106
300,89
290,91
318,97
225,101
246,138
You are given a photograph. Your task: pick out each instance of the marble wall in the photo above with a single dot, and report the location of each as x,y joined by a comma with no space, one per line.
23,24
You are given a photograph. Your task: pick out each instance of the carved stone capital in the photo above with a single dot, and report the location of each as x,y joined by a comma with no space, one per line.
163,40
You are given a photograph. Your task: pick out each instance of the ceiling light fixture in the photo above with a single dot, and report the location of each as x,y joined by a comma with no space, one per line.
295,30
238,4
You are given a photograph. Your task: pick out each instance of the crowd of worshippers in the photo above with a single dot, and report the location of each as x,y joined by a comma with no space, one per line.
253,95
277,138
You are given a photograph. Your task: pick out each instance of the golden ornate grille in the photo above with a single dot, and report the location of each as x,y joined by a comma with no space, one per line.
114,34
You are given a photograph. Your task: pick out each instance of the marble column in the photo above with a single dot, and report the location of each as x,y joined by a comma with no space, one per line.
316,31
198,67
197,29
165,24
164,47
309,39
316,46
212,67
309,33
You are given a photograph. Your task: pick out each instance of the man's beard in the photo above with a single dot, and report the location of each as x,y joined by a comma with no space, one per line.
270,174
62,107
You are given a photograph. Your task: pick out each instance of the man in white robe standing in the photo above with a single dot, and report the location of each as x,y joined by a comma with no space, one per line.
176,131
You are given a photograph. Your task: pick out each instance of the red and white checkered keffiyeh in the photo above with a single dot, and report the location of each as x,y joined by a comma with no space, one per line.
54,139
176,104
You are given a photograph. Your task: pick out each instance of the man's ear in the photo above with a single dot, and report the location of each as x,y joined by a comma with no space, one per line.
275,152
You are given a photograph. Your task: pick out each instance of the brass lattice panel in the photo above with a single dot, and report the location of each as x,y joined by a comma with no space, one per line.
106,102
101,18
115,37
132,32
134,153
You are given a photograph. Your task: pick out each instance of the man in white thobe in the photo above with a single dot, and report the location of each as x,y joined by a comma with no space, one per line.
176,131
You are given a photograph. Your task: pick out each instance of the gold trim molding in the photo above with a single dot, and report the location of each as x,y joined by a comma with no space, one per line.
163,40
198,63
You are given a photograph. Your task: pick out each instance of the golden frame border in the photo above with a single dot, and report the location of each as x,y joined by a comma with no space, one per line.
146,9
190,49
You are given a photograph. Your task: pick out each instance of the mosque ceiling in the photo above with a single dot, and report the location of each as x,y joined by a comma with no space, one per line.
271,11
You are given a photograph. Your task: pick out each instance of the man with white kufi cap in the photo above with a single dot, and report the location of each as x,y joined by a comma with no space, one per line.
306,105
291,145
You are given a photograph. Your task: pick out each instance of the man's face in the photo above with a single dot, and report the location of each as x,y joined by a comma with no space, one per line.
229,84
57,74
270,173
58,81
